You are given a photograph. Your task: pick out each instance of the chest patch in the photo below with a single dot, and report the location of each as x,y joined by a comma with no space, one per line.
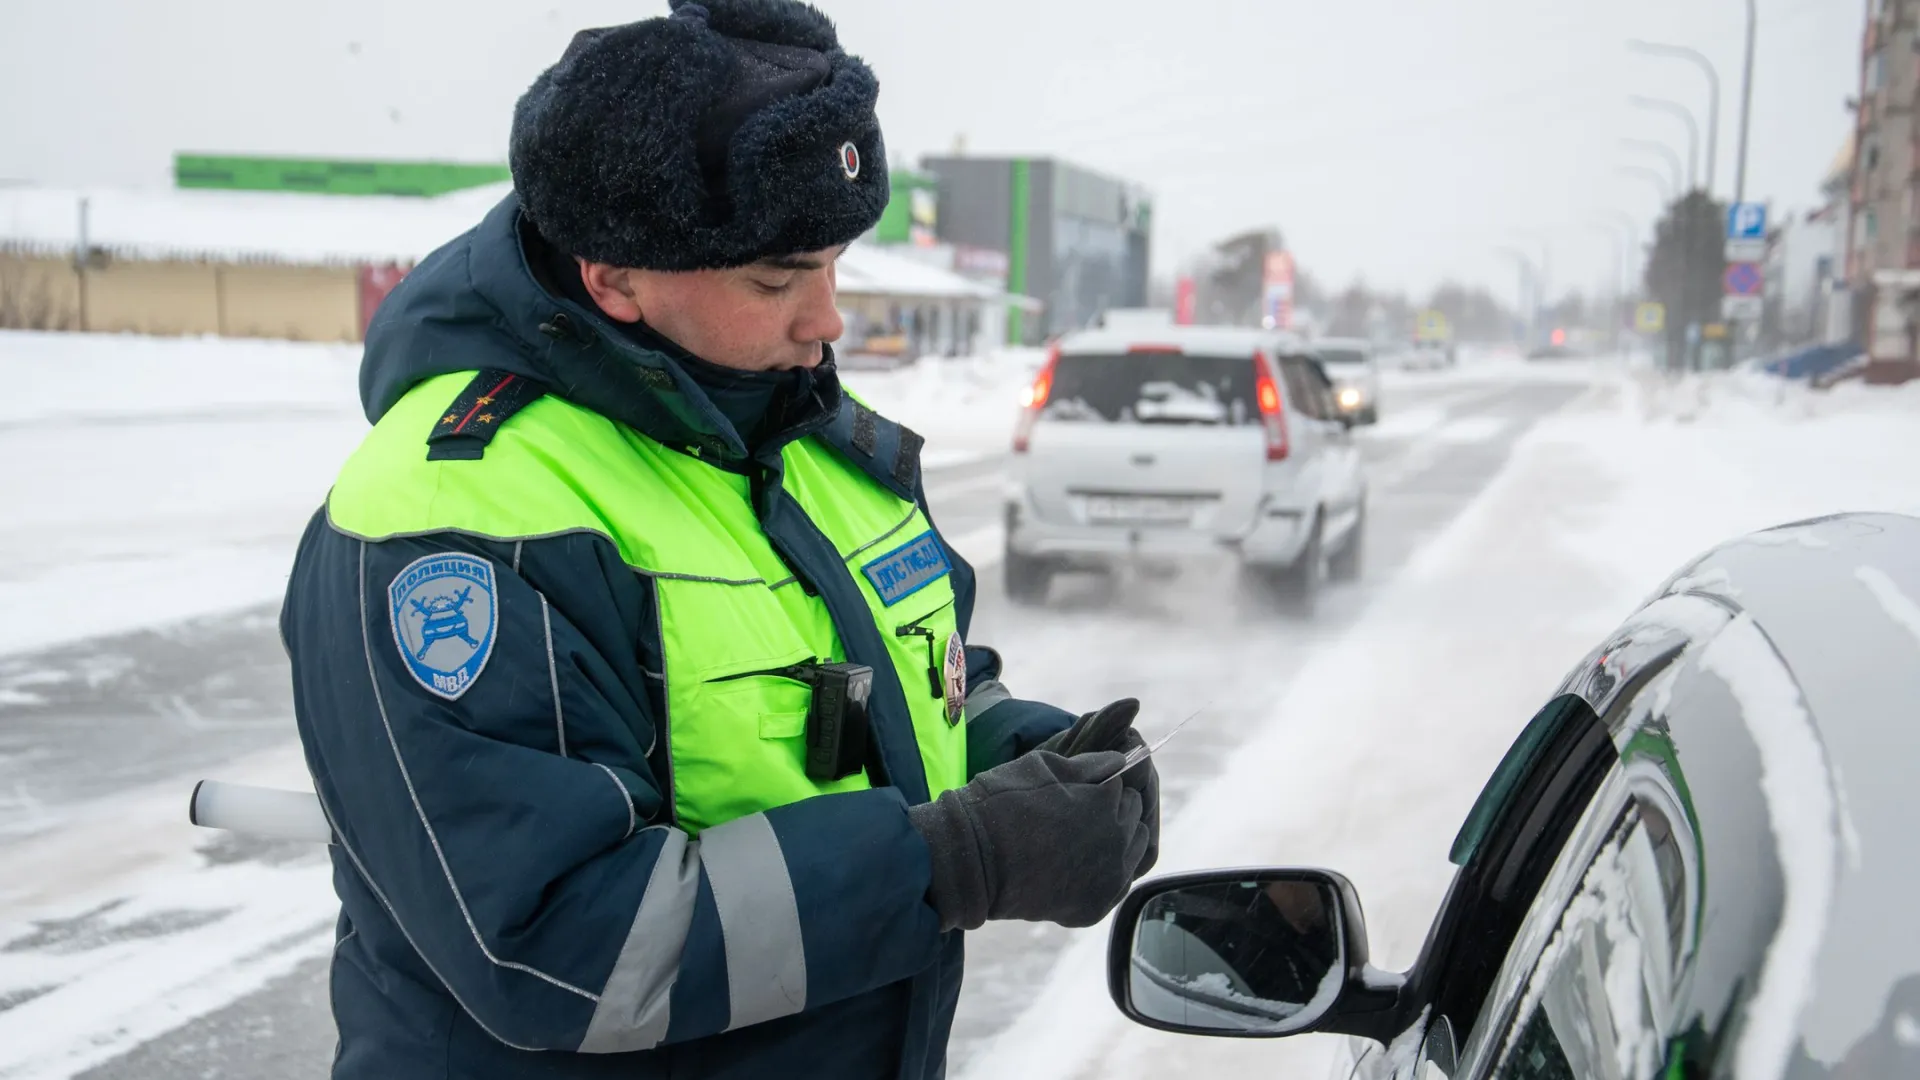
443,611
908,568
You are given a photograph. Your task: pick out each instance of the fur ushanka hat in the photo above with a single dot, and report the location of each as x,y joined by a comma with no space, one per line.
726,132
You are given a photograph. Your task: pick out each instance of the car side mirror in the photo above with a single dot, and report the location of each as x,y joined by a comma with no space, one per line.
1249,954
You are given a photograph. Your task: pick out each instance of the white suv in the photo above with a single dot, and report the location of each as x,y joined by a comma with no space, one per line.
1174,442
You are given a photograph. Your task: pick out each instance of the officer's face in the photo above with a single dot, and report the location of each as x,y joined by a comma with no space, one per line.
771,315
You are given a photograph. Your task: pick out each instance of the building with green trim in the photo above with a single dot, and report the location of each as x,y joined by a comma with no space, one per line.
1076,240
319,176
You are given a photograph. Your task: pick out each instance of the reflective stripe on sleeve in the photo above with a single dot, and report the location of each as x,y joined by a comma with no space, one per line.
634,1008
759,920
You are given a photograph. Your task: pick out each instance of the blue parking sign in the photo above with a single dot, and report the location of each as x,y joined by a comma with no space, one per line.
1747,221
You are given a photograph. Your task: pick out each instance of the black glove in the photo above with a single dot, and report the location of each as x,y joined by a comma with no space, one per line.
1041,838
1111,728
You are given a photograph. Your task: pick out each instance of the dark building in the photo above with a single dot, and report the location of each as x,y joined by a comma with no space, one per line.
1075,240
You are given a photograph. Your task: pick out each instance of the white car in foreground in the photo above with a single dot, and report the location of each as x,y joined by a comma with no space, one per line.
1356,376
1160,445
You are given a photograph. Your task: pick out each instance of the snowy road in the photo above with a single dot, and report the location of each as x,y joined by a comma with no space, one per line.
130,946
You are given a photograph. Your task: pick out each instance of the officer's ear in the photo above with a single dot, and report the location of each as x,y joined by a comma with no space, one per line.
613,288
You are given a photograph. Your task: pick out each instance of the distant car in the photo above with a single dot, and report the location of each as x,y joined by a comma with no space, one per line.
1428,356
1159,446
1552,352
1356,376
1695,861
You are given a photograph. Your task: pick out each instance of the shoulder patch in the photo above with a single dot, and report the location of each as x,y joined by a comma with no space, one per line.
908,568
444,611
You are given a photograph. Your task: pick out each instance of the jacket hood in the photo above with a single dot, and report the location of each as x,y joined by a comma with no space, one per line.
478,302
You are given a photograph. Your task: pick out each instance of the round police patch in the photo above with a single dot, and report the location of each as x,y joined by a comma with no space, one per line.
954,677
850,160
444,611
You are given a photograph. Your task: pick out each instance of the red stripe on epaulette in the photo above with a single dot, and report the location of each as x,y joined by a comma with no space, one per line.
466,427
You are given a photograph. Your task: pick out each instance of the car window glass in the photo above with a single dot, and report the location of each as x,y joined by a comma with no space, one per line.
1305,390
1596,1003
1154,388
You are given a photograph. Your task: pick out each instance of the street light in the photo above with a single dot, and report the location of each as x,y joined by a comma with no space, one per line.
1660,182
1617,287
1661,149
1695,56
1746,107
1674,108
1629,232
1526,275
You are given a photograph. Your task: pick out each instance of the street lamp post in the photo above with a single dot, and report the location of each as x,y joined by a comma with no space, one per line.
1658,181
1674,108
1699,59
1660,149
1619,277
1746,108
1531,309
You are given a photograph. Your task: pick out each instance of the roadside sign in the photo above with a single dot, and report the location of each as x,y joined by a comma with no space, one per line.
1746,251
1741,308
1714,331
1650,317
1744,279
1433,326
1747,221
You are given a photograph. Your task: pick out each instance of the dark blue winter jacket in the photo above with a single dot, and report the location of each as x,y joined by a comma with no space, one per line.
488,882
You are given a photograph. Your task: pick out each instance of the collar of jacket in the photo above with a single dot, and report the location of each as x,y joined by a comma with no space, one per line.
485,285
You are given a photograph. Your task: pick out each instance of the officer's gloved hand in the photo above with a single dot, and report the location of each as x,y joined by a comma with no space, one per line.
1043,838
1111,728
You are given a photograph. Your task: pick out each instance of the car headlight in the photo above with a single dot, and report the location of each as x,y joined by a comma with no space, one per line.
1349,397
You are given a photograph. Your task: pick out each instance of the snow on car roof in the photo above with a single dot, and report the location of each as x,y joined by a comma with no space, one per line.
1222,340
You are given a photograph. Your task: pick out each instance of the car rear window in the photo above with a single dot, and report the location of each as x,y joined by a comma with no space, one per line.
1341,356
1154,388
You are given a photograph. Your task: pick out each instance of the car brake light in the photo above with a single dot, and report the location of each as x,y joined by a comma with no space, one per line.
1273,414
1034,399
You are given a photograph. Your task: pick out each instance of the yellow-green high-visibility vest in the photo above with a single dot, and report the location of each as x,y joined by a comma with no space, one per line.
730,610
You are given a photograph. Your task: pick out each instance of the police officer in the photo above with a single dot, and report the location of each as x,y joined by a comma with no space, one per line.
628,661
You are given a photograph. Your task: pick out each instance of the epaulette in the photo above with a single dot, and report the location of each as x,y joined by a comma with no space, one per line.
462,432
884,449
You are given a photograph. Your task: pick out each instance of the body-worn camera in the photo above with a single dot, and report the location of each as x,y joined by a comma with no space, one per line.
837,719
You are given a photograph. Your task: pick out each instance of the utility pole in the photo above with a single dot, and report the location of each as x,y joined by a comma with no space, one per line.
1746,108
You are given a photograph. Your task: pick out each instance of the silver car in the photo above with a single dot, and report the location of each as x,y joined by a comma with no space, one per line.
1166,444
1356,376
1697,859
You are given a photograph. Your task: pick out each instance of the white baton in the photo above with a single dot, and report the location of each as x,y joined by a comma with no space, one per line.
267,813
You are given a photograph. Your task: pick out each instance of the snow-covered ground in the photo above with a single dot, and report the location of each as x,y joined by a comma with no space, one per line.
152,480
1370,761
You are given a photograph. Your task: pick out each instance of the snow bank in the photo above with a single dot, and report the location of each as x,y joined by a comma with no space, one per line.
154,480
1374,754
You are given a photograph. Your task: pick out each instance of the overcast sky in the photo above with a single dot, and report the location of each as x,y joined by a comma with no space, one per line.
1402,140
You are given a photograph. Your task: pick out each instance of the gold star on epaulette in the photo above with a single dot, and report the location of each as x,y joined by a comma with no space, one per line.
483,401
485,418
450,418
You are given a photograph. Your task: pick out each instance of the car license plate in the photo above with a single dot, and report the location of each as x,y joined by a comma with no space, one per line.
1138,509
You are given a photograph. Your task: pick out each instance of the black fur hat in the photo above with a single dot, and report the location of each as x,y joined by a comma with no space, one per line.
729,131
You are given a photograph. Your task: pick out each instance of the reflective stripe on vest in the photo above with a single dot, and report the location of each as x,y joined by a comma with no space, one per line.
728,606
